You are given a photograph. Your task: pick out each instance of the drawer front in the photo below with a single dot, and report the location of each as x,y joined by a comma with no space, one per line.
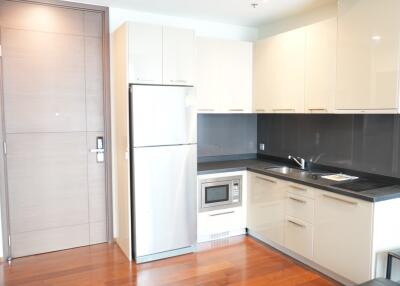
220,221
301,190
300,207
299,237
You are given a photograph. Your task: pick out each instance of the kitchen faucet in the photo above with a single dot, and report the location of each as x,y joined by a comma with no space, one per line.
300,161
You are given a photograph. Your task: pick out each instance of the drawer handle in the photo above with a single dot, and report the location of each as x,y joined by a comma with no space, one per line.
298,200
267,180
284,109
298,188
296,223
340,200
260,110
231,212
318,109
233,109
205,109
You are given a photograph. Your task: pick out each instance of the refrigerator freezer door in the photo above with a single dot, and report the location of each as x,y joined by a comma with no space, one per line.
164,198
163,115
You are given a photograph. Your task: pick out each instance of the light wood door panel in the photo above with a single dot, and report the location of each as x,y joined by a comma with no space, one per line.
48,240
33,17
52,67
47,178
44,85
94,84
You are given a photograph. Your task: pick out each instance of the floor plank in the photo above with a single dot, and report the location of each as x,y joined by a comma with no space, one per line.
236,261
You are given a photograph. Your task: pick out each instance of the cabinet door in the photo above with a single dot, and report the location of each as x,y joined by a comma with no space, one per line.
178,56
235,79
280,74
368,54
262,101
320,77
207,75
266,208
145,54
343,235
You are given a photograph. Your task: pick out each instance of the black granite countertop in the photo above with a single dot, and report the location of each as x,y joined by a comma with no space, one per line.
263,166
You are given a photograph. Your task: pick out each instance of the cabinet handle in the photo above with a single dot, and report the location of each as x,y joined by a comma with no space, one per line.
235,109
231,212
340,200
284,109
298,200
260,110
205,109
178,81
145,80
296,223
318,109
298,188
267,180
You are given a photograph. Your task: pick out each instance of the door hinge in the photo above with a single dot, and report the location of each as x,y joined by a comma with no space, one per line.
5,147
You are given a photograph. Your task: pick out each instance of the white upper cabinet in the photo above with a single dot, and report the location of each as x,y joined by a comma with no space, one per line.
223,75
279,73
320,76
145,54
160,55
368,56
178,56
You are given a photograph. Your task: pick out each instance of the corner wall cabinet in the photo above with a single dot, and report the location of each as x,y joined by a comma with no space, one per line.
368,56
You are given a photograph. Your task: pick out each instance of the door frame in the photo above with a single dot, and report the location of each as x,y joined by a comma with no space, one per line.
4,202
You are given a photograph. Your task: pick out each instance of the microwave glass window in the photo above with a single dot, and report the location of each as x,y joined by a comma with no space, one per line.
216,194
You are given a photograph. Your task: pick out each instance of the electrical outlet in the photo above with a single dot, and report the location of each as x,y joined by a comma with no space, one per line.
262,147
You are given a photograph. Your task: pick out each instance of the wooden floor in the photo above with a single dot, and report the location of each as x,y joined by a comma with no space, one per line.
238,261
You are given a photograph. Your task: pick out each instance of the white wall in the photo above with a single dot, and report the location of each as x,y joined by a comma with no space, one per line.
314,16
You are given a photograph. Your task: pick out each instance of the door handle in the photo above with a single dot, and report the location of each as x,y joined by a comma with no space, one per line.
99,150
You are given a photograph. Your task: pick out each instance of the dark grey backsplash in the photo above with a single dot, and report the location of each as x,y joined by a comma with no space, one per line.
368,143
226,134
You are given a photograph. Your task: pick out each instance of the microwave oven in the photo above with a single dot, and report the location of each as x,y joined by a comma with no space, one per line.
220,193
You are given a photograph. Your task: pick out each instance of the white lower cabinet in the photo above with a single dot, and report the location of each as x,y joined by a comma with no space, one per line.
299,236
330,231
266,208
343,235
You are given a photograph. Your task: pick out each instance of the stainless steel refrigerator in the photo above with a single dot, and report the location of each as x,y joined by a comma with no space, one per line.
163,136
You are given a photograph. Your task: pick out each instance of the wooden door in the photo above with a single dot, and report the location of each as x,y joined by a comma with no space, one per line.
52,72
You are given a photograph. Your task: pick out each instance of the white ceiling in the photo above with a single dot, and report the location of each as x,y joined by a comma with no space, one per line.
238,12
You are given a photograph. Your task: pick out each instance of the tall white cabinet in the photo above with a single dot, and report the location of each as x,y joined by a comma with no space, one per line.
223,76
142,54
368,56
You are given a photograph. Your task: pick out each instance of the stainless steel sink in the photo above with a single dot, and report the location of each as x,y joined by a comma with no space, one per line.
288,171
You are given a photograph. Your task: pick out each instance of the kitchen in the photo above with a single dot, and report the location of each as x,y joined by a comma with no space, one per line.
280,142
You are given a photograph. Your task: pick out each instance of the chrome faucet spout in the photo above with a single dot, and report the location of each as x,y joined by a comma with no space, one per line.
300,161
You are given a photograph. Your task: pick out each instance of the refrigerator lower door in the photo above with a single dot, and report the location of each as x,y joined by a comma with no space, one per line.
163,115
164,201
